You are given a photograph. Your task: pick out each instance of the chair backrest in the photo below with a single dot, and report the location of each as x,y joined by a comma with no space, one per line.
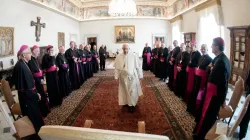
24,127
241,115
5,88
237,93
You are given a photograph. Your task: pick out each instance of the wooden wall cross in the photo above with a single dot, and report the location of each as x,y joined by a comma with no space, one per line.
38,25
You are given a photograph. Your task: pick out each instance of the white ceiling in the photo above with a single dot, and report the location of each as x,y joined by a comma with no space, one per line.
97,3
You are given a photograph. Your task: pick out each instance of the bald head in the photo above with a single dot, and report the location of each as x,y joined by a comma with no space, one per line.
204,49
175,43
125,48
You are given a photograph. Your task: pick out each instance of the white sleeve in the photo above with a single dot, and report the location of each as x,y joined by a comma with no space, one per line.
116,70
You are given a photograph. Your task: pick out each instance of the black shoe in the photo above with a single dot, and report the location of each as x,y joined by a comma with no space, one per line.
131,109
125,106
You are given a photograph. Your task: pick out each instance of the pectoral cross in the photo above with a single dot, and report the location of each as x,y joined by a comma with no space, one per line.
38,25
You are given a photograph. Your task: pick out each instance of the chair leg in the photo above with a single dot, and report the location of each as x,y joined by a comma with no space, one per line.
230,120
141,127
13,117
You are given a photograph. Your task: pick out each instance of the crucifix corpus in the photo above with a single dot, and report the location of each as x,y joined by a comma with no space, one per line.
38,25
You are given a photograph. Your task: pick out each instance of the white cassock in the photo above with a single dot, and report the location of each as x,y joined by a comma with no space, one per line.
128,71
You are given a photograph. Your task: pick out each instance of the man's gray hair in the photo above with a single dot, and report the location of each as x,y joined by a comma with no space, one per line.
205,46
125,44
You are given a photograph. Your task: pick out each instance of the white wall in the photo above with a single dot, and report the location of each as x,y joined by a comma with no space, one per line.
189,22
236,13
144,29
19,14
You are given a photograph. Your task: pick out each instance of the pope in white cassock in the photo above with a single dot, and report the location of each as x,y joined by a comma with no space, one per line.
128,71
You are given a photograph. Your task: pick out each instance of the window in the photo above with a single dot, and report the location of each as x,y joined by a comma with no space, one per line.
176,34
208,30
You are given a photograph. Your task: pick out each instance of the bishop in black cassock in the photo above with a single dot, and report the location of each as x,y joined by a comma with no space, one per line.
38,77
172,68
146,55
80,66
27,94
63,73
192,65
95,60
82,54
182,60
89,61
50,67
103,56
216,90
200,81
163,54
71,57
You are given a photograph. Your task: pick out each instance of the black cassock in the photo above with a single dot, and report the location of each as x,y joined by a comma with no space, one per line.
168,59
82,56
63,75
95,65
181,78
192,65
73,69
172,71
38,76
89,64
146,55
216,92
103,55
27,94
200,81
80,66
163,54
49,65
154,62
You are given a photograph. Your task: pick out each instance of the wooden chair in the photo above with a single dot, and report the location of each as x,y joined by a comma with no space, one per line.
13,106
211,135
141,127
88,123
228,111
24,127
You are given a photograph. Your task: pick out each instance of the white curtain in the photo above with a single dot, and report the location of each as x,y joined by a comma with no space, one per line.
210,25
177,31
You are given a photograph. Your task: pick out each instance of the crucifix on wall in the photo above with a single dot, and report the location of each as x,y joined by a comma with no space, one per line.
38,25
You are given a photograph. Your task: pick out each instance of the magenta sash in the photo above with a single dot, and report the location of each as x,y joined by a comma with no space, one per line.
175,72
211,91
203,74
77,70
190,82
89,59
145,54
38,74
162,59
84,59
95,56
51,69
148,59
28,89
65,65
